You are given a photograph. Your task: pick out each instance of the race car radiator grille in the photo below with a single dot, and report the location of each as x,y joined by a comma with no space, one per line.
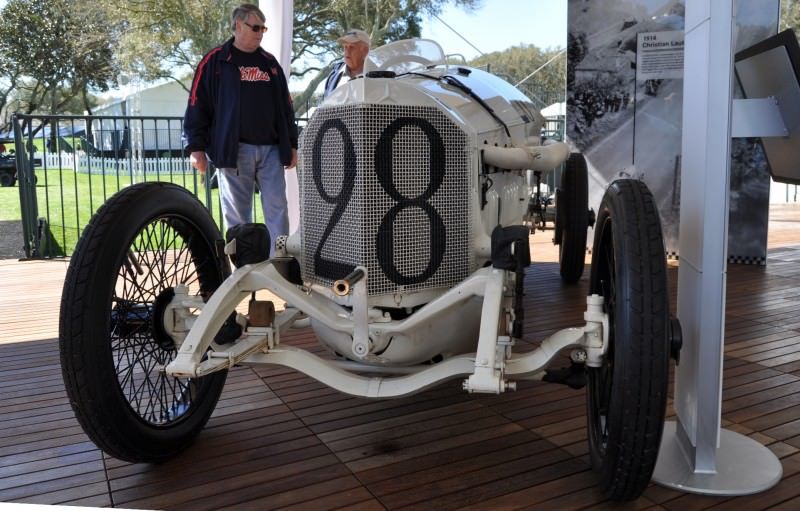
385,187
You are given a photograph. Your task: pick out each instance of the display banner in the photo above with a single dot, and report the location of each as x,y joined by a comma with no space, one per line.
624,109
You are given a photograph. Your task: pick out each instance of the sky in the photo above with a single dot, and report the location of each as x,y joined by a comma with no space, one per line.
500,24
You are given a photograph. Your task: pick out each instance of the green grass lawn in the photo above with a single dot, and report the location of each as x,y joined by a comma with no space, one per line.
68,199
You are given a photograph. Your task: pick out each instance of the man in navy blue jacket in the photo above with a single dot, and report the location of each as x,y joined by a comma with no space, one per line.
240,117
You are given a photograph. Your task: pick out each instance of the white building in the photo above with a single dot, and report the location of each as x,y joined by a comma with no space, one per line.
151,125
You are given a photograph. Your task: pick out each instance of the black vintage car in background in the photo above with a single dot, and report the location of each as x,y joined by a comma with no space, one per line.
8,169
8,163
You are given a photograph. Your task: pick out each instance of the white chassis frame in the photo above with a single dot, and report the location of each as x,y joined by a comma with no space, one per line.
486,369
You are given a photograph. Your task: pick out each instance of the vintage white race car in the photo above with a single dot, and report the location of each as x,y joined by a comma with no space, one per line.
408,265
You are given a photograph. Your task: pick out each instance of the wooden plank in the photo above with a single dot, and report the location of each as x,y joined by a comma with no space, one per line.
94,494
400,422
389,450
494,459
44,486
380,459
461,455
531,497
324,495
358,498
60,472
43,464
417,430
367,505
754,373
219,465
325,418
759,386
230,488
207,454
483,485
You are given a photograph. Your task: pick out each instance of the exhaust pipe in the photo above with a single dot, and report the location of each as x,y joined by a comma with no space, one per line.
342,286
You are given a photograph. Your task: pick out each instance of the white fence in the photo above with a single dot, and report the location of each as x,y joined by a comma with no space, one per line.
779,194
86,164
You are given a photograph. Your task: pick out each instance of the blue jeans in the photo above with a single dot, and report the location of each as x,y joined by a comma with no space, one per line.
262,164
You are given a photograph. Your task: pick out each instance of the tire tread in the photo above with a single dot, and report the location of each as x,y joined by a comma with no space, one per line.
639,404
76,348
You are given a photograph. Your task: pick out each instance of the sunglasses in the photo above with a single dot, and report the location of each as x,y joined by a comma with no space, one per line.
256,28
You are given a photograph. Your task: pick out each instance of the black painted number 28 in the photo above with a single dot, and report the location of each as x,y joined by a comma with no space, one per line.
384,170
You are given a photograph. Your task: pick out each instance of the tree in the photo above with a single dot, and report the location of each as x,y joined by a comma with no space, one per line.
165,39
790,16
516,64
55,51
9,77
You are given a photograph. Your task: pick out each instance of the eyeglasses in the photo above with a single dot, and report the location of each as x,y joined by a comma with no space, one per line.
256,28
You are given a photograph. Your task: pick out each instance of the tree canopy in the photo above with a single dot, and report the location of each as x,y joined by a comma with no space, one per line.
54,52
318,23
516,64
790,16
165,39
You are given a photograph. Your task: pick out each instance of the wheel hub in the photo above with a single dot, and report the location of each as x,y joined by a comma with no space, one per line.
160,334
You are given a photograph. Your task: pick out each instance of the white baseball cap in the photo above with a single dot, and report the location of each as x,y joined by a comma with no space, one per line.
354,36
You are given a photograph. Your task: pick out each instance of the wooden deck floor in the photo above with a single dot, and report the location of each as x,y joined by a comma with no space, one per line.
278,439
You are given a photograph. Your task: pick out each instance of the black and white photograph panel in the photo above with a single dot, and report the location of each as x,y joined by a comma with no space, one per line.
625,104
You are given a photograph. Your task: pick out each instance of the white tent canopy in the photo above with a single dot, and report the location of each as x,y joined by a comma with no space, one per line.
555,110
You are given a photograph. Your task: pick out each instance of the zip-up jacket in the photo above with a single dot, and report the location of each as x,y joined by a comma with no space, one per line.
333,78
211,122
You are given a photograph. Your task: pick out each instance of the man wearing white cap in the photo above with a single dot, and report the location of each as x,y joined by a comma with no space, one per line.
355,46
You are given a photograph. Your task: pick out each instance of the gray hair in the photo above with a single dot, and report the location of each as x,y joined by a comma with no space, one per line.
243,11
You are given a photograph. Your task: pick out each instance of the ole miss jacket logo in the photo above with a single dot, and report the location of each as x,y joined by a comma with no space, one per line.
253,74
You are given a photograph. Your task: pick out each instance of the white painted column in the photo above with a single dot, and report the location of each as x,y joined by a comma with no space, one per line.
278,41
696,454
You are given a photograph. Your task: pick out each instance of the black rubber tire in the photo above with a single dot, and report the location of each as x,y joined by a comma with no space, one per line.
109,333
627,396
7,179
572,218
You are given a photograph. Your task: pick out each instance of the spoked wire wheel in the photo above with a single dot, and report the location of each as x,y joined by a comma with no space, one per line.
572,218
627,395
143,243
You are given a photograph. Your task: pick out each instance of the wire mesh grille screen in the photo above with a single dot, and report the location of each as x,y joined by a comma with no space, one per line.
385,187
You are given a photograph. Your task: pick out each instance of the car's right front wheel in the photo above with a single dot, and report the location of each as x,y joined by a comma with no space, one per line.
627,394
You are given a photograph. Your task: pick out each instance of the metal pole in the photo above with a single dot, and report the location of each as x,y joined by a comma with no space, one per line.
696,455
27,197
